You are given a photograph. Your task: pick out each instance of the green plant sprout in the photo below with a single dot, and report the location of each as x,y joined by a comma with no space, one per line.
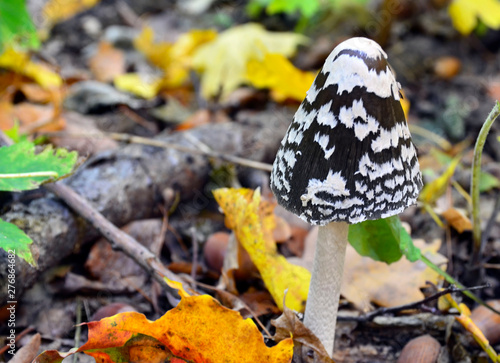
476,172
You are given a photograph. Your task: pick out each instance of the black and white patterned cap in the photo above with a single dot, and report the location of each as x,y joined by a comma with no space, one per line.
348,155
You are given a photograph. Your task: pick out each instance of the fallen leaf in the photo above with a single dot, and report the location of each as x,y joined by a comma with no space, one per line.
199,329
288,324
20,63
7,119
36,93
465,14
29,351
174,59
278,74
366,280
107,63
55,11
457,220
437,187
223,61
252,220
138,84
38,117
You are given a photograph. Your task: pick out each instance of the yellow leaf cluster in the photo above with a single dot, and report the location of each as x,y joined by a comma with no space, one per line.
465,14
55,11
278,74
173,59
252,222
223,61
21,63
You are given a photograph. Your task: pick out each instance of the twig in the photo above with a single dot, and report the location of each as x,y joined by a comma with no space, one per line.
418,304
18,337
167,145
118,239
476,170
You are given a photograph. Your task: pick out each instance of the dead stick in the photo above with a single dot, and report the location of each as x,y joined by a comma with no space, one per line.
118,239
167,145
418,304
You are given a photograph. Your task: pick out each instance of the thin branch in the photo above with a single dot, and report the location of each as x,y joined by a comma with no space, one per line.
416,305
168,145
118,239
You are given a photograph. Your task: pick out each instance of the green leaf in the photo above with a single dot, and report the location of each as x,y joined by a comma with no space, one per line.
306,8
13,133
378,239
21,159
13,240
487,182
16,25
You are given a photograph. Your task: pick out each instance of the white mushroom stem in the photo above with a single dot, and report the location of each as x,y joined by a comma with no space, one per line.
326,281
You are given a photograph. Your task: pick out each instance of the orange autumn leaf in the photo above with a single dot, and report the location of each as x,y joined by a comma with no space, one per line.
278,74
107,63
253,222
199,329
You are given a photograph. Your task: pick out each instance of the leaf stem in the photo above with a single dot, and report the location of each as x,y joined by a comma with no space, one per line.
476,170
30,175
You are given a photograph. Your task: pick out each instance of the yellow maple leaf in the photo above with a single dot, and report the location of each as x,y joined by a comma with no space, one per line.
223,61
21,63
465,13
252,224
174,59
278,74
55,11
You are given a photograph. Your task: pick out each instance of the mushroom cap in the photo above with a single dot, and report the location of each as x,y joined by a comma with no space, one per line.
348,155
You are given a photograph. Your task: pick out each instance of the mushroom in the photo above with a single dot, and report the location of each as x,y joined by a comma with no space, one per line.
347,157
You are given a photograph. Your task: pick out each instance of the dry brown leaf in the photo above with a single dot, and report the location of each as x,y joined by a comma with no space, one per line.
289,325
38,117
6,115
107,63
366,280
